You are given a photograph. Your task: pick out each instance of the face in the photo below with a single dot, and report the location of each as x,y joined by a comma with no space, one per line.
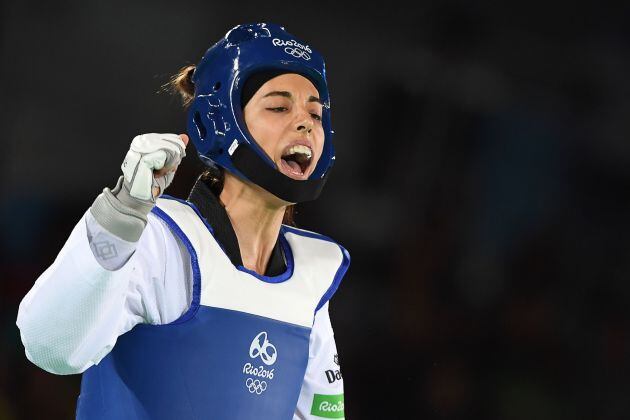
285,118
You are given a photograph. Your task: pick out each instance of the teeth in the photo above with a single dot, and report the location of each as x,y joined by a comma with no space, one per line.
298,148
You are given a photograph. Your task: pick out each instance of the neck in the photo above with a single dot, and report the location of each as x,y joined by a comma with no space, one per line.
256,217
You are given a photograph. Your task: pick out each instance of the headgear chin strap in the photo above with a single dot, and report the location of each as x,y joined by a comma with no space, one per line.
280,185
215,121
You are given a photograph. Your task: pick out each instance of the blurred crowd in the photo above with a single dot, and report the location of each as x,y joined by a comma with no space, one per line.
481,187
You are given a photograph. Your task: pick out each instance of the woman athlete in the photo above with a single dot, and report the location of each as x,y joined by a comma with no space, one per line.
208,308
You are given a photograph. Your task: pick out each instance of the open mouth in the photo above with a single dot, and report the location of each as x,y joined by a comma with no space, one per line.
296,160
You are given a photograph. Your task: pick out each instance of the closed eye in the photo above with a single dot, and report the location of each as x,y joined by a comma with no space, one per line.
277,109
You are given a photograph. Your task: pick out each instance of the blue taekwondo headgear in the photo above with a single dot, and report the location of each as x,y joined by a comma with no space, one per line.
215,120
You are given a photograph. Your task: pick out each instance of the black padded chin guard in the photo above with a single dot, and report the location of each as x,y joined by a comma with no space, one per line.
291,190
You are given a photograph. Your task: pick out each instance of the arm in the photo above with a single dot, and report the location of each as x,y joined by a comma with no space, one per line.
105,280
322,389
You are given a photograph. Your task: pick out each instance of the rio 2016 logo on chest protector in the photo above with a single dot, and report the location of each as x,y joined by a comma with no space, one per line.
261,348
293,48
266,350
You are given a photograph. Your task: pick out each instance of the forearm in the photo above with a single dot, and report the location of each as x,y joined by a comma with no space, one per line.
110,251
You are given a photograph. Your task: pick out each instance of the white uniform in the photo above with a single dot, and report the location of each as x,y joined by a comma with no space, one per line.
100,287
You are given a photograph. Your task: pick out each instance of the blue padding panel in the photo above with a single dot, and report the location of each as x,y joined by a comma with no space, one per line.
200,369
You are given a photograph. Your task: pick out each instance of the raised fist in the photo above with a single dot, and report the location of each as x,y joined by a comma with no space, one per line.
150,164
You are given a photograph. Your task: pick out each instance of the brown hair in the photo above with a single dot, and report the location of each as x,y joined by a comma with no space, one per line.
181,84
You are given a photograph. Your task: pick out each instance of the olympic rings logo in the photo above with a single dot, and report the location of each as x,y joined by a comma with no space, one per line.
255,386
297,53
267,351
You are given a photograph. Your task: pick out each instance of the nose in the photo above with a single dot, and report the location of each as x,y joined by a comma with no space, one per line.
304,129
304,123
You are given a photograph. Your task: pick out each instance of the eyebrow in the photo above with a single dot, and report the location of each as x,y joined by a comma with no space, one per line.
286,94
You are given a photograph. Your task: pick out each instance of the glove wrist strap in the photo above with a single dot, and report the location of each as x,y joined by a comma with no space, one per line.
120,213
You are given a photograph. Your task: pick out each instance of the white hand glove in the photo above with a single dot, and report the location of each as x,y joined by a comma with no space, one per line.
148,169
148,153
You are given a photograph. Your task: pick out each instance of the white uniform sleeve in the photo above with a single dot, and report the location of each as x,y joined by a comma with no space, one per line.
110,251
322,390
77,309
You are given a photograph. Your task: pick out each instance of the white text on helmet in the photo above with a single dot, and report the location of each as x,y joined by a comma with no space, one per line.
291,43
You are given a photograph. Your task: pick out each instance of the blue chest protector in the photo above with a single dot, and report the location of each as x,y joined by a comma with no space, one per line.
239,352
